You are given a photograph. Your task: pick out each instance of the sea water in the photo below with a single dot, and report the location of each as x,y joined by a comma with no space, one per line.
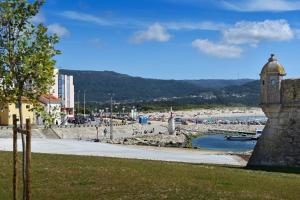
238,118
219,142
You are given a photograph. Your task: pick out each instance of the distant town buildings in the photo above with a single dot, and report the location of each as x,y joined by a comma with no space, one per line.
6,114
52,106
64,90
59,103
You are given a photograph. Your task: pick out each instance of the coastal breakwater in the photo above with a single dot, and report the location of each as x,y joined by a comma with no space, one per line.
216,128
88,132
154,134
128,131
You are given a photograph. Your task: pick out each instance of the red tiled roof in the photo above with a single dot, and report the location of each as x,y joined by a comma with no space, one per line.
46,98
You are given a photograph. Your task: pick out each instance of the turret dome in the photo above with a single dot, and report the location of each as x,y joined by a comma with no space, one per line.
273,67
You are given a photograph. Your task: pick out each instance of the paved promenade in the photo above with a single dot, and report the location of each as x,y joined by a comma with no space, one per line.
75,147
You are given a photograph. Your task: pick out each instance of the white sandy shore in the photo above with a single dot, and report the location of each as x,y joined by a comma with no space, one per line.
207,113
74,147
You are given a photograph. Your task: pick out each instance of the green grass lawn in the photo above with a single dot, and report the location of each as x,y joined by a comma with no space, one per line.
81,177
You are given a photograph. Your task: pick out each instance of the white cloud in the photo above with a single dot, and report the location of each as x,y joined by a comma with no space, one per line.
84,17
262,5
134,23
218,50
58,29
155,32
194,26
39,18
52,28
246,32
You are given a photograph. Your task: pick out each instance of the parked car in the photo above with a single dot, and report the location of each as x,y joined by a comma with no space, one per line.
78,120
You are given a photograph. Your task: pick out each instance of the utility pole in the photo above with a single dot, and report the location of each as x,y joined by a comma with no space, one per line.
84,103
111,116
78,102
106,110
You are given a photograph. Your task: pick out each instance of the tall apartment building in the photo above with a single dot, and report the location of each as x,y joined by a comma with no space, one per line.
64,90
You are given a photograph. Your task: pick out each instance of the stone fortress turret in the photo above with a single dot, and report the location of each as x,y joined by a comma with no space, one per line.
271,77
279,144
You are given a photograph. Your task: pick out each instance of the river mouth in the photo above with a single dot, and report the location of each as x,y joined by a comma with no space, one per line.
220,143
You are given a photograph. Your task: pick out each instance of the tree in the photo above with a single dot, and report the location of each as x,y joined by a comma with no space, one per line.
26,57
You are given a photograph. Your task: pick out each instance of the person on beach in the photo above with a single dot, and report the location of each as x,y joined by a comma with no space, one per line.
105,132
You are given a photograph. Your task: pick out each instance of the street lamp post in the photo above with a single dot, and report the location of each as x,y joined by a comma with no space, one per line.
133,114
78,103
101,115
111,114
84,103
106,110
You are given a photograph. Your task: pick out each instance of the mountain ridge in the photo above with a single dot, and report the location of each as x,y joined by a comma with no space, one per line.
98,84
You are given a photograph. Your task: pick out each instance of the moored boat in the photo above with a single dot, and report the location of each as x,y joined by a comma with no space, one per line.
239,138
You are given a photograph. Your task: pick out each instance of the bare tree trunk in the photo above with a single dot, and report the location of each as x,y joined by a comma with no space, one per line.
97,133
28,160
23,146
15,159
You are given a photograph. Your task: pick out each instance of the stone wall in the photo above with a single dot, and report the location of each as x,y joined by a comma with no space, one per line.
8,133
290,92
124,131
280,143
87,132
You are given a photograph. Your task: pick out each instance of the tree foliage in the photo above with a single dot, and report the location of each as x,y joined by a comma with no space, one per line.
26,60
26,53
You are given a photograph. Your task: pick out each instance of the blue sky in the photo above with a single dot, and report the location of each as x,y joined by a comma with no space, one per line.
175,39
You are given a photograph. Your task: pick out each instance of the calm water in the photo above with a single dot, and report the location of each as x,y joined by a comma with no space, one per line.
219,142
240,118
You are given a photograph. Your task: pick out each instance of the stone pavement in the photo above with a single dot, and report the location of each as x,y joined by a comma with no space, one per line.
75,147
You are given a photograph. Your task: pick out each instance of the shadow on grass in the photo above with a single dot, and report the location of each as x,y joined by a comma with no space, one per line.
287,170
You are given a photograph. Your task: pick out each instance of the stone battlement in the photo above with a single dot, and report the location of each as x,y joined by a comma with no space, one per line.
279,145
290,92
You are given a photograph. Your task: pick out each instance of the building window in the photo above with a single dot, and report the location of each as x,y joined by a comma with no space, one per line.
263,82
68,92
28,106
273,82
61,87
17,105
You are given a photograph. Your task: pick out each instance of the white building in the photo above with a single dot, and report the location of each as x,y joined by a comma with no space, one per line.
64,90
53,106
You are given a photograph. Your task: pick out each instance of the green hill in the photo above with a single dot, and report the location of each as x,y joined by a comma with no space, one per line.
247,88
218,83
246,94
98,84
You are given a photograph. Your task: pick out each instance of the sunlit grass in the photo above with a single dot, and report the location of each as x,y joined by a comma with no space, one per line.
81,177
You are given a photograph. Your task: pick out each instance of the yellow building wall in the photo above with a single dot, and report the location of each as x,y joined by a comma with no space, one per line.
6,116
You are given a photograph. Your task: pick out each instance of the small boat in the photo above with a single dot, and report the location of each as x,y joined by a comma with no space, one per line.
257,134
239,138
